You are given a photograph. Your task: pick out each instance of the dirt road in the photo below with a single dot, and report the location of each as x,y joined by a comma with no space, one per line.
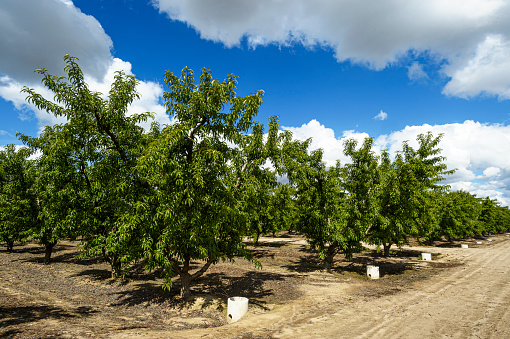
468,301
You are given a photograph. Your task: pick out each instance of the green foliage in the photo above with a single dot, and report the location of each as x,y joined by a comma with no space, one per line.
193,190
360,182
406,195
458,215
201,167
17,198
335,206
493,217
57,188
85,180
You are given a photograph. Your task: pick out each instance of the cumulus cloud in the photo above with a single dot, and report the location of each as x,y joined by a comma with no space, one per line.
468,36
416,72
381,116
469,147
37,34
491,172
324,137
10,90
488,71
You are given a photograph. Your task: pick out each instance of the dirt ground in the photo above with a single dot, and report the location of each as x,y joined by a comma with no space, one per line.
461,293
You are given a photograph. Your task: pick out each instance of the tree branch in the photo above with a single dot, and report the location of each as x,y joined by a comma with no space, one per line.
202,270
245,165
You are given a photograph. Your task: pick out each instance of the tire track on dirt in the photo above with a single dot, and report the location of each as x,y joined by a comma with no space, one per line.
466,301
450,305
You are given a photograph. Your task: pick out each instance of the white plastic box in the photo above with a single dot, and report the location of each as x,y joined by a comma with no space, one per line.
373,272
236,308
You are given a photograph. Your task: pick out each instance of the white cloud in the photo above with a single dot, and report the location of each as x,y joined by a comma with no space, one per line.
323,137
470,147
488,71
491,172
416,72
10,90
381,116
37,34
469,36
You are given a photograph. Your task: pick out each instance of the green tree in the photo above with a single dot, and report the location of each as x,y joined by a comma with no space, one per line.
57,189
262,199
17,200
335,205
493,217
458,216
406,201
195,166
86,169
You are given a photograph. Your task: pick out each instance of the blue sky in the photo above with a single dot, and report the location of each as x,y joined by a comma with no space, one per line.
331,69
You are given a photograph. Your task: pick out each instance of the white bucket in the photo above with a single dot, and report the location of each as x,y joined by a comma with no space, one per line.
426,256
236,308
464,246
373,272
478,242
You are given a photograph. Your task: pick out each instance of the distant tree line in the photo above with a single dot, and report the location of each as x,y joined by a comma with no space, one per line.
195,189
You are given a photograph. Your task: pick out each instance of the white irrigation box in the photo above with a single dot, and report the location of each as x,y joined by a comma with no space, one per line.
426,256
373,272
236,308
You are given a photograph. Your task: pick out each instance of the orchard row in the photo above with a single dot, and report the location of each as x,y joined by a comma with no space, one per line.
195,189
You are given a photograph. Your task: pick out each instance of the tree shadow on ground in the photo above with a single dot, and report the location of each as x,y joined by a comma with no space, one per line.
95,274
72,257
387,266
264,244
15,316
138,272
216,285
135,272
38,249
148,292
305,264
397,253
249,284
452,244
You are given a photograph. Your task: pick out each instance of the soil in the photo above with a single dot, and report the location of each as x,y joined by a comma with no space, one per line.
460,293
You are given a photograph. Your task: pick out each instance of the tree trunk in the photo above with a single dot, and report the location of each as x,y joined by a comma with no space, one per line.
186,278
48,249
429,242
330,254
185,286
386,249
116,267
10,245
256,237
